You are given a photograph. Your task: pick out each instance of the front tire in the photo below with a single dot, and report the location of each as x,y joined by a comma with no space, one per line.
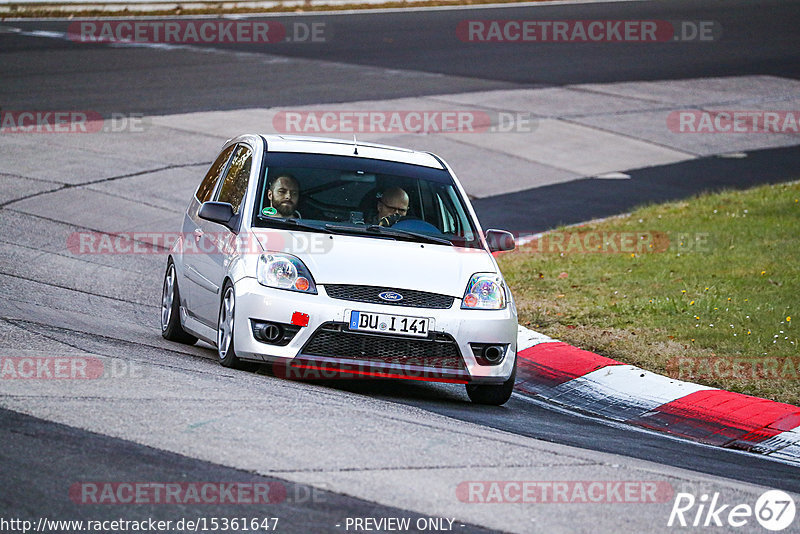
493,394
225,349
171,327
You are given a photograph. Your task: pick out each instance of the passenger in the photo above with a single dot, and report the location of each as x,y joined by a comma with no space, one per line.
283,195
392,204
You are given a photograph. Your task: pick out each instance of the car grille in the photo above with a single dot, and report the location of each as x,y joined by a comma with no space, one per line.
411,298
332,340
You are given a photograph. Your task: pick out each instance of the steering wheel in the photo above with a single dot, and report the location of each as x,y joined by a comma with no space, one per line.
415,224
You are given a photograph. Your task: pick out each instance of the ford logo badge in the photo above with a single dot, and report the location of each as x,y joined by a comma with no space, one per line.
390,296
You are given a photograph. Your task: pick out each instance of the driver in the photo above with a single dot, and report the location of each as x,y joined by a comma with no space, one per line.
392,204
283,195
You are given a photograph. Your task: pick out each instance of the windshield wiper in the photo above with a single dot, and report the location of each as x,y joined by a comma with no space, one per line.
426,237
293,223
383,231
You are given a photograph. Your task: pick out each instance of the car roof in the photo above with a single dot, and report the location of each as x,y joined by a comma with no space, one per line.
343,147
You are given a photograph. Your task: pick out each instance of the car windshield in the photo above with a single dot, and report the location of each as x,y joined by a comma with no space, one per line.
362,197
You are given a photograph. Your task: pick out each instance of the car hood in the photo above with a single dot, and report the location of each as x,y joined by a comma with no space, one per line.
343,259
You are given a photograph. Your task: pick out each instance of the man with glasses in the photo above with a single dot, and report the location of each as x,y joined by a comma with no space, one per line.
392,204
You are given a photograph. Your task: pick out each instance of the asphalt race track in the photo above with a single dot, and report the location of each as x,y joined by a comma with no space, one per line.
329,451
759,38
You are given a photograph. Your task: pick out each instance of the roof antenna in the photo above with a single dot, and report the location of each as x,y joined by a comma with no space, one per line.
355,145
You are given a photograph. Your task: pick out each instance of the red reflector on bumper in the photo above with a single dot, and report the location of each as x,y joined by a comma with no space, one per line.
300,319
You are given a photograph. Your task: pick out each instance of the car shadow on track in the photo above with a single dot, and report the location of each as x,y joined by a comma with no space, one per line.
412,392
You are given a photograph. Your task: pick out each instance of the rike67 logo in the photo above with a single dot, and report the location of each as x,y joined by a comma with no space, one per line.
774,510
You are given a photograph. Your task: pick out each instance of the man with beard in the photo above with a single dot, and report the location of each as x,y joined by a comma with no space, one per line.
284,195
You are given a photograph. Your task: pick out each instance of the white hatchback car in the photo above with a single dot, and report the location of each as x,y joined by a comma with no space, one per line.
329,258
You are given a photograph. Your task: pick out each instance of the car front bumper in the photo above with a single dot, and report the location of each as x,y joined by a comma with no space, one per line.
328,318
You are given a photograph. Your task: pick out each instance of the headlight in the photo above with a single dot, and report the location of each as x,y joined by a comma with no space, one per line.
485,291
284,271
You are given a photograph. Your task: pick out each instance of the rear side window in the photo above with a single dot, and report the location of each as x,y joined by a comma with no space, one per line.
238,176
206,188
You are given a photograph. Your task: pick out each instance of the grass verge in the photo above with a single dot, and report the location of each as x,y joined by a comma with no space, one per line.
702,290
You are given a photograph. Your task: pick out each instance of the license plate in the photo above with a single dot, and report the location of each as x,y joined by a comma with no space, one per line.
389,324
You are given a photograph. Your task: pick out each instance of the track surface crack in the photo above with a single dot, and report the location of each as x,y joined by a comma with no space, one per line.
104,180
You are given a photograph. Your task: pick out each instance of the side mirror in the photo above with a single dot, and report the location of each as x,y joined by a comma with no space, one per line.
218,212
499,240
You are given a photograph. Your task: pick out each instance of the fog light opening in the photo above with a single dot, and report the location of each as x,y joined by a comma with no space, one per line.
271,332
493,353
